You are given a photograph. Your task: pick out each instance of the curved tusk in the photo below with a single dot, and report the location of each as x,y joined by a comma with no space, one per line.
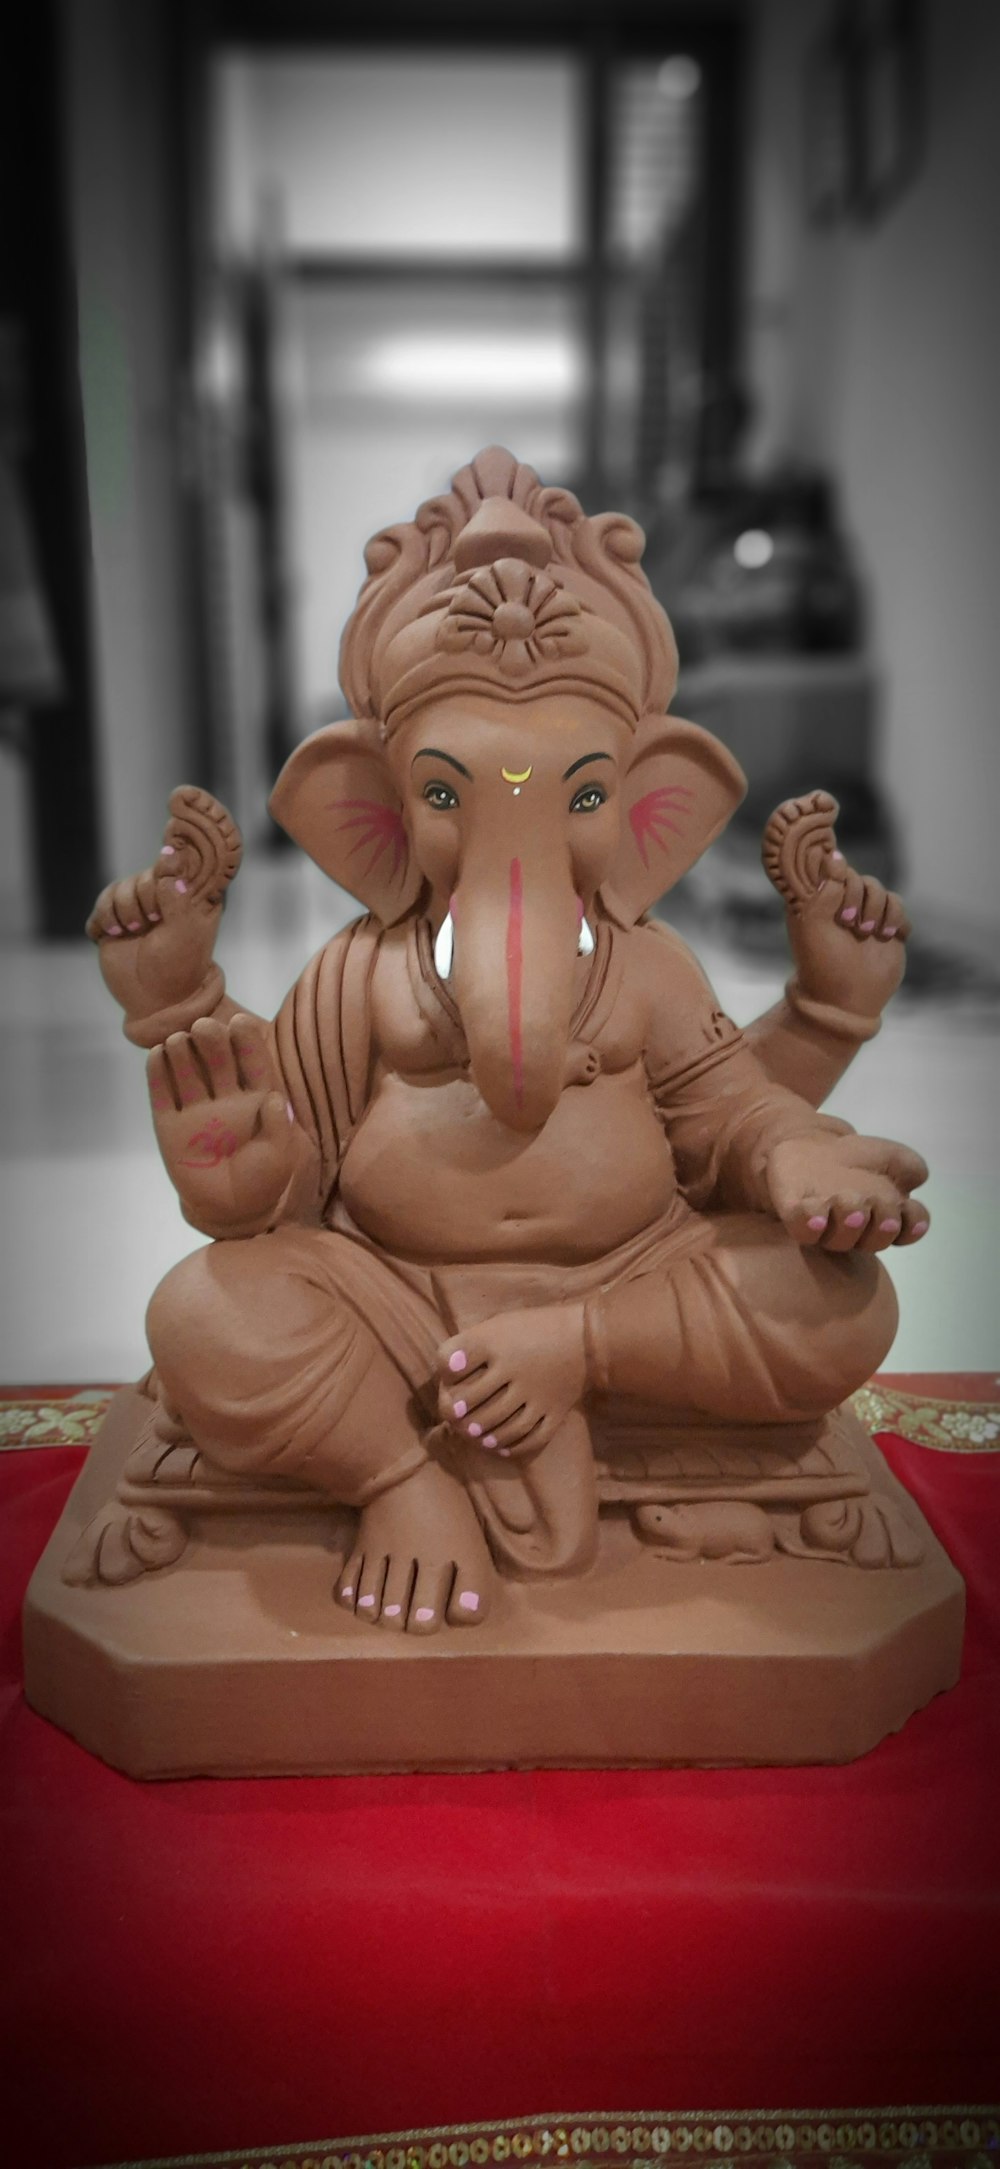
586,944
444,947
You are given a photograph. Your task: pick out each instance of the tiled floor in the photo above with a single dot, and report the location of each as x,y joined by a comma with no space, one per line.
90,1223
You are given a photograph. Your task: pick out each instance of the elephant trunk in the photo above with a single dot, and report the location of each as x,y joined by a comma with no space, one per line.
517,929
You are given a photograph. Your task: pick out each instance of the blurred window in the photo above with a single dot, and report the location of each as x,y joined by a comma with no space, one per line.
404,155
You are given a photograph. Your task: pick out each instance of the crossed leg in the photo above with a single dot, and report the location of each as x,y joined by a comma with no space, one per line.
275,1373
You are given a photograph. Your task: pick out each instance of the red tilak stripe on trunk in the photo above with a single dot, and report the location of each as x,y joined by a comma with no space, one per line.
515,966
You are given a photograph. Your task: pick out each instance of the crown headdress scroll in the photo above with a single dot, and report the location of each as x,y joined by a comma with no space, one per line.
505,584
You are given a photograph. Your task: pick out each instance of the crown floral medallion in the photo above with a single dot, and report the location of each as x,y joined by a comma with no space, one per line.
514,615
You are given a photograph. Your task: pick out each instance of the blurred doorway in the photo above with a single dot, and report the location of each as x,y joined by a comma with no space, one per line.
416,252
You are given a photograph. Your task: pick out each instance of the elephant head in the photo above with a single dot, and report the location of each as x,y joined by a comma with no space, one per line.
513,828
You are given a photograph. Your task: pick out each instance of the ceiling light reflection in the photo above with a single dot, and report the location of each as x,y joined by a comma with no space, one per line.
436,367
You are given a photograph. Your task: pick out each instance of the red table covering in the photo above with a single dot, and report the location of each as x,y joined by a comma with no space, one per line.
203,1965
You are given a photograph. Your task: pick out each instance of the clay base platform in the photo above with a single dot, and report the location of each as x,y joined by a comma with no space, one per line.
237,1661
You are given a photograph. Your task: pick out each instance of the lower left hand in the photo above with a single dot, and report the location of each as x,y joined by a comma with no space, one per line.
847,1193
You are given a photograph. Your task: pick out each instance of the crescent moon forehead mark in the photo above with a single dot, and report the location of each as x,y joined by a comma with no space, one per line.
509,775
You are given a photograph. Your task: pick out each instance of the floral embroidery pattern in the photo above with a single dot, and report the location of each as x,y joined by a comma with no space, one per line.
514,615
952,2138
956,1427
52,1419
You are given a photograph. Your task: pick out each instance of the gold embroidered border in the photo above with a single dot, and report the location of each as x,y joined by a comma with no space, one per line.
950,1427
72,1416
913,2138
50,1417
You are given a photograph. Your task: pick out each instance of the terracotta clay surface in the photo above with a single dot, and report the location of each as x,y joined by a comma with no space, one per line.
240,1661
531,1273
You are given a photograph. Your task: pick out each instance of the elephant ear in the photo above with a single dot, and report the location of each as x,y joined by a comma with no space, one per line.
681,787
335,796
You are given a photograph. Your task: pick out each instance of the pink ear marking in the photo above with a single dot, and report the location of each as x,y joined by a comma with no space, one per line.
650,817
380,825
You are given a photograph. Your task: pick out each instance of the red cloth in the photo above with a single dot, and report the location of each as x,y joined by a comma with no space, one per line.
206,1964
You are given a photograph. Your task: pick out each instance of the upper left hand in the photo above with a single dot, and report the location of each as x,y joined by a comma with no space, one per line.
847,1193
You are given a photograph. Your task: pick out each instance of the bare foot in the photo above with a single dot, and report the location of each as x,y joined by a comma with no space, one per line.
508,1383
420,1558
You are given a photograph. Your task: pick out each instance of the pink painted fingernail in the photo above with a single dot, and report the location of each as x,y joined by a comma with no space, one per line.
114,932
855,1220
469,1600
850,913
490,1439
461,1409
182,888
365,1603
475,1430
423,1613
888,1227
133,925
818,1221
920,1227
867,926
459,1361
391,1611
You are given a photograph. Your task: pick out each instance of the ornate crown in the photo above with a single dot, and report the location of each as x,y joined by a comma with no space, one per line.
505,586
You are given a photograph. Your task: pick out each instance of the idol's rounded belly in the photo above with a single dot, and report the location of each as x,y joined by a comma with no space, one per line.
430,1172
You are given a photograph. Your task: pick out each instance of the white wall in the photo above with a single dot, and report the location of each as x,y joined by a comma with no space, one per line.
877,352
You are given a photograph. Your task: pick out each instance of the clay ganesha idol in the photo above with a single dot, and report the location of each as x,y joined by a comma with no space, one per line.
510,1223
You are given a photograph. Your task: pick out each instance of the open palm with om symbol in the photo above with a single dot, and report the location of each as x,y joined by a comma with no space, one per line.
225,1129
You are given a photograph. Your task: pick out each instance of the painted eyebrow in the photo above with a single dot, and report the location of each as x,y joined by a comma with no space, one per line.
434,753
582,763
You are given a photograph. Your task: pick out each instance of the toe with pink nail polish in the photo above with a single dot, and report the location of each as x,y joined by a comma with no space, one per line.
818,1221
889,1227
469,1601
850,913
461,1408
475,1430
490,1439
459,1361
920,1227
423,1614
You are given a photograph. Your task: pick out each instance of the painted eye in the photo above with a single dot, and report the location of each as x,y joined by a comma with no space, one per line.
441,797
588,800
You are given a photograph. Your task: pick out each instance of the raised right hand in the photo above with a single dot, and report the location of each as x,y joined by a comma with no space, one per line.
156,930
223,1125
